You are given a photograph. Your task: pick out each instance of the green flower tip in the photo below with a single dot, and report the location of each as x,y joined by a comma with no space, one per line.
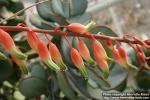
63,66
19,54
92,62
105,73
2,56
52,65
90,25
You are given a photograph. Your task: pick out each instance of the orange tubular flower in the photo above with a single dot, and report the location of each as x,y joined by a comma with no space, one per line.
98,49
56,56
100,57
10,46
122,53
45,56
84,52
32,39
102,63
78,62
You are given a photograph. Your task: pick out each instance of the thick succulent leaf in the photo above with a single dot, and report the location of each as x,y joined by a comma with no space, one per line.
38,22
143,79
95,75
16,74
15,6
119,74
83,19
57,7
66,8
6,69
80,98
95,93
65,86
53,87
80,83
37,70
45,11
77,7
103,29
66,50
69,8
32,87
3,3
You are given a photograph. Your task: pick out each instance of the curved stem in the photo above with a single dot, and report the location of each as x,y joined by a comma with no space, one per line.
59,32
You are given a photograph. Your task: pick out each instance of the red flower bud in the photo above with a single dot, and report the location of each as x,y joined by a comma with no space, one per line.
142,60
43,50
7,41
77,27
141,42
45,56
56,56
122,53
9,45
124,58
99,50
109,44
32,39
116,54
119,59
84,52
78,61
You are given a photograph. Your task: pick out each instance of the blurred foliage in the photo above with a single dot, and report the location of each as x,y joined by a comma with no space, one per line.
64,85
